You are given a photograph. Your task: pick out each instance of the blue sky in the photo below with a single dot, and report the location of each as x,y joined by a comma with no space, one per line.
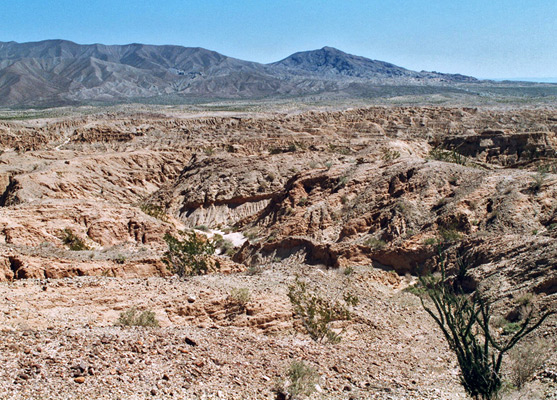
488,38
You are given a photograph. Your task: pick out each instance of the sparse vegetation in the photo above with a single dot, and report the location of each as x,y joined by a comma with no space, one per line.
154,210
133,317
316,312
538,181
375,244
73,242
190,256
526,359
343,150
389,154
451,156
254,270
465,323
301,381
238,299
225,246
250,234
341,182
348,271
449,234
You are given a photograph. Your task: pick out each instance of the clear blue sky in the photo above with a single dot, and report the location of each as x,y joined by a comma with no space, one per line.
483,38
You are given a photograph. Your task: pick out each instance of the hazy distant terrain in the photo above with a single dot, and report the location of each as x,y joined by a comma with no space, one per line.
57,72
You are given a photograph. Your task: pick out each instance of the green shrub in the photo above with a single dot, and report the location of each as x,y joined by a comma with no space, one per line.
238,299
451,156
465,323
224,245
538,181
302,378
511,327
316,312
348,271
155,211
389,154
202,228
73,242
250,234
190,256
133,317
374,243
449,234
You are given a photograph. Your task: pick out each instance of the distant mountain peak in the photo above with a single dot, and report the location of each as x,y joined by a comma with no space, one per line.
58,72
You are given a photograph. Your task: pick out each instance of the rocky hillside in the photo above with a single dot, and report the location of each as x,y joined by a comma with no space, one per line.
331,63
58,72
361,200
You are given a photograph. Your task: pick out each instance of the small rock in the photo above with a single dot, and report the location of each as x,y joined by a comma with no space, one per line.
79,379
165,377
153,392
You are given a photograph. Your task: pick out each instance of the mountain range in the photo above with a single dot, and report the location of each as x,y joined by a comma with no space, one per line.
60,72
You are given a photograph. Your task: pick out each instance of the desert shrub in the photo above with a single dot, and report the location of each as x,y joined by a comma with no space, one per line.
202,228
190,256
340,183
302,380
254,270
73,242
238,299
451,156
120,259
374,243
389,154
303,201
465,323
348,271
343,150
154,210
449,234
537,181
133,317
525,360
250,234
313,164
316,312
511,327
224,245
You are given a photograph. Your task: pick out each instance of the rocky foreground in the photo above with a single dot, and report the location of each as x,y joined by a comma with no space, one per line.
358,200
